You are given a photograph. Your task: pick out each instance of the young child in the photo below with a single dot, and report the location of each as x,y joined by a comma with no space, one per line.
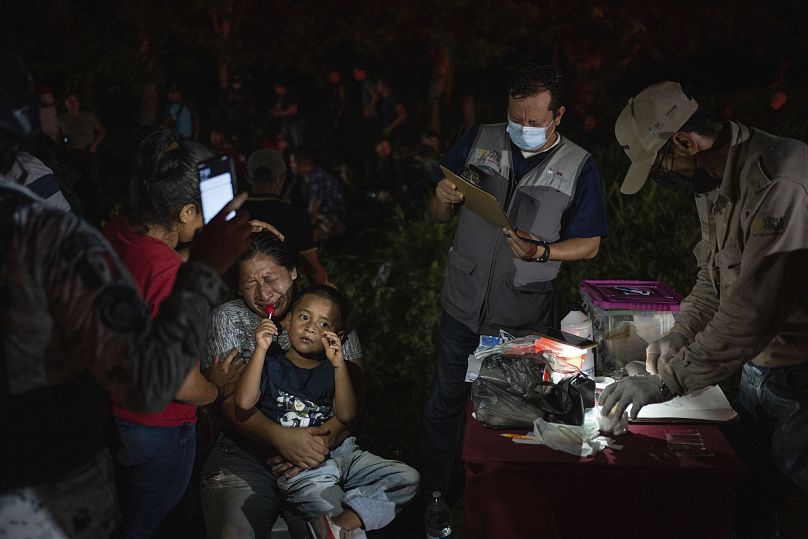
353,490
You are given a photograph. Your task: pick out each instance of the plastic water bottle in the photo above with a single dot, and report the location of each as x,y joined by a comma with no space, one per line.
578,323
438,518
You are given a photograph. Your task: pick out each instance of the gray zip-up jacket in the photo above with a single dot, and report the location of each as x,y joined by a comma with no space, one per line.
750,300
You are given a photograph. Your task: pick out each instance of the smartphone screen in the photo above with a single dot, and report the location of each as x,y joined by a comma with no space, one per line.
217,186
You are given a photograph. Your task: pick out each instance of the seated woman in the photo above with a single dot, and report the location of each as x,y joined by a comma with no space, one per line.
157,450
240,497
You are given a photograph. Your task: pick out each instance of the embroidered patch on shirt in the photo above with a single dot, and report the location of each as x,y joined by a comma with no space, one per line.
489,158
768,226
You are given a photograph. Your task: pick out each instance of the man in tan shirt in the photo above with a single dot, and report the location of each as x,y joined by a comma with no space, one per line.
749,307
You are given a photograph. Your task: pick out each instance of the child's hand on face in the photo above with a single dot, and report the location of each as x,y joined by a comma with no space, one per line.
333,348
264,333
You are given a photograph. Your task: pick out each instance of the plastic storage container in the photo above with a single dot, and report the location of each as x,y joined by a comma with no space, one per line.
578,323
626,316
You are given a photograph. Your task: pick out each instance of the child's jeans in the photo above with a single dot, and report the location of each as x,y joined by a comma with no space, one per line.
375,488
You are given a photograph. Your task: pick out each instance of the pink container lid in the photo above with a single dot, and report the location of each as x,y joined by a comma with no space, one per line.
632,295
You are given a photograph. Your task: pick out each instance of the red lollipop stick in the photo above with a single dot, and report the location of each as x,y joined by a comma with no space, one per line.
270,310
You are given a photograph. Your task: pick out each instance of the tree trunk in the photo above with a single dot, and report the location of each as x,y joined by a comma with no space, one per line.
440,88
149,104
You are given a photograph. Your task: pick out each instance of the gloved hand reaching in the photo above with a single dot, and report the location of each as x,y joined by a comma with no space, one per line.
660,353
635,390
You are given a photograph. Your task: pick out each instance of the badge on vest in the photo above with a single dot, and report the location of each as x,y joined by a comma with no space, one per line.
489,158
768,226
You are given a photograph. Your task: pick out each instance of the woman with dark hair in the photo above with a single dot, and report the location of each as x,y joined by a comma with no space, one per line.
240,497
156,454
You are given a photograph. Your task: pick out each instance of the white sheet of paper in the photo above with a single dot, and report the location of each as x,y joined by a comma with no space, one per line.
707,404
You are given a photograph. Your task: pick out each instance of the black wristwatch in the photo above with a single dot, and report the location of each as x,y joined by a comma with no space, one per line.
665,390
545,255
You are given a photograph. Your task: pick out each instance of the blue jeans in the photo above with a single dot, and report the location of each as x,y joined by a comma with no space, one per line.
375,488
442,425
154,466
240,497
778,399
772,440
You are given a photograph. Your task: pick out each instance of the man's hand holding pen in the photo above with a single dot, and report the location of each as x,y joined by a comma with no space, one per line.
526,246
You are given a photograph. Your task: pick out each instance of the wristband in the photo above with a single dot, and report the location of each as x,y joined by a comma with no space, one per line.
546,255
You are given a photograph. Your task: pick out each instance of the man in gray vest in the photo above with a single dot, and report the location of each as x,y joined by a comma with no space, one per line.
749,307
549,189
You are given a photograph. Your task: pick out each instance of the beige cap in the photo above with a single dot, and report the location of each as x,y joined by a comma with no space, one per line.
649,121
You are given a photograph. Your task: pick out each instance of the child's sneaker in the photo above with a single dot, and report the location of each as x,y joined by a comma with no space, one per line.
323,527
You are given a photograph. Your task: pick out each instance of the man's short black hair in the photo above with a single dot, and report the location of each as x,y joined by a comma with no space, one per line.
531,79
702,123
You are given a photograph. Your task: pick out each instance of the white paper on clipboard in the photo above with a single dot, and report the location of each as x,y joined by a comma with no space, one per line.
480,202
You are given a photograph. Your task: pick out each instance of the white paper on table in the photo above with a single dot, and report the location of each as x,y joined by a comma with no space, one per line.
706,404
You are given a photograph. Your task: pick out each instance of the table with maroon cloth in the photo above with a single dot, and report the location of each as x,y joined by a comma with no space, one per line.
518,490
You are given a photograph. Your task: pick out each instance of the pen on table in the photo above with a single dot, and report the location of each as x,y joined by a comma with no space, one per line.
517,436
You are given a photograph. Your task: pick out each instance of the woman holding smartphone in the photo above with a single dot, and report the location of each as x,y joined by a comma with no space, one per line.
156,454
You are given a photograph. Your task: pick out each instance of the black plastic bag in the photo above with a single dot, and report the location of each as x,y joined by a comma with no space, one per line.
565,403
510,393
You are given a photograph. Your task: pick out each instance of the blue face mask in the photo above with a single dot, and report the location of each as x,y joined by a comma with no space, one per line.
527,138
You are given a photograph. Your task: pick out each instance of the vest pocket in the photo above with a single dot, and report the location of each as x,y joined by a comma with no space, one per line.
460,288
533,276
539,210
702,253
461,263
521,308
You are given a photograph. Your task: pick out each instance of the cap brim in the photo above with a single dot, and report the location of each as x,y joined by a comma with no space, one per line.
637,175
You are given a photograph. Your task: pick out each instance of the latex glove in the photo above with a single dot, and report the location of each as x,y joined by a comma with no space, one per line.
661,352
635,390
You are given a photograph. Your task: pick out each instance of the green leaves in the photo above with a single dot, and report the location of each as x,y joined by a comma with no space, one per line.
396,322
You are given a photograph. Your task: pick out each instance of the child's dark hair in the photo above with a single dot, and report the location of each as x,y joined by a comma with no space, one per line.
334,296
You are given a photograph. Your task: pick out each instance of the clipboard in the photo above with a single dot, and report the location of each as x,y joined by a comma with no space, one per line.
480,202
